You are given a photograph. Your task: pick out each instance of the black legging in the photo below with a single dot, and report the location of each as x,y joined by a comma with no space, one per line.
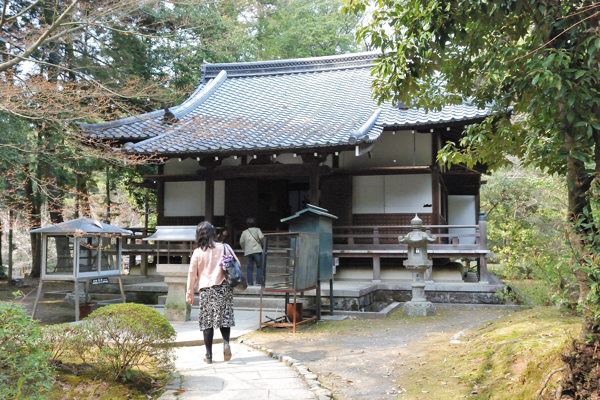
208,338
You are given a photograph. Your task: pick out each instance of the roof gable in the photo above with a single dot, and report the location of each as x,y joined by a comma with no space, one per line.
282,105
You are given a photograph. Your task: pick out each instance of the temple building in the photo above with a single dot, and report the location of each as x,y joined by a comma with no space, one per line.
264,139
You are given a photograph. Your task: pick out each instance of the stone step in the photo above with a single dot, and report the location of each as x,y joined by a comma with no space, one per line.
471,277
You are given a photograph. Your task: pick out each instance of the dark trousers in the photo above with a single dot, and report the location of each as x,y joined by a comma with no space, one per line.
252,259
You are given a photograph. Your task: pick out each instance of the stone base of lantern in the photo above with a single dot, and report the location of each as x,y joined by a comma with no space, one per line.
176,309
418,309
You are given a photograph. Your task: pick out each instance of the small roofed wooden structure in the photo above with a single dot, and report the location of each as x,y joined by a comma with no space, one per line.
83,249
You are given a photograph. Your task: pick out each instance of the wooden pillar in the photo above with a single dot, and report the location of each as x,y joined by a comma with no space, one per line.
483,278
160,198
435,182
144,265
435,195
209,198
132,261
144,262
314,186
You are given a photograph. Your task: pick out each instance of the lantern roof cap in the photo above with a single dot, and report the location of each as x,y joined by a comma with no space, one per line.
83,225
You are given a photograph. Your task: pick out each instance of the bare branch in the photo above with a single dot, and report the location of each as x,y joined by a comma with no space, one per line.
3,16
11,63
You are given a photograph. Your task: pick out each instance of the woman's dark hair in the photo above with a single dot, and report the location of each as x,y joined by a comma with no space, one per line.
250,222
206,236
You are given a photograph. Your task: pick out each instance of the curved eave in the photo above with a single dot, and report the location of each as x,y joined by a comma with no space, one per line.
248,152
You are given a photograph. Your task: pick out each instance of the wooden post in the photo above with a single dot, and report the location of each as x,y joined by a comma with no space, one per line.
483,278
435,195
76,293
160,198
314,186
132,261
37,298
144,265
121,289
435,182
209,198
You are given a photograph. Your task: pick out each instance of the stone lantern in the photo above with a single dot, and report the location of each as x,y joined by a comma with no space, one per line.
418,262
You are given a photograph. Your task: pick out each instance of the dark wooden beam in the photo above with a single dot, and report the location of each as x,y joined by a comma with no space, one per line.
160,197
279,171
275,171
435,180
384,171
314,187
145,184
435,195
209,198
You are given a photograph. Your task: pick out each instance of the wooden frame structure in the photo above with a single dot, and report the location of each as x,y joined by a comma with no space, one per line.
290,266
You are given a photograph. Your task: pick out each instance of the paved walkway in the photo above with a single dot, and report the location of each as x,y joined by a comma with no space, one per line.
251,374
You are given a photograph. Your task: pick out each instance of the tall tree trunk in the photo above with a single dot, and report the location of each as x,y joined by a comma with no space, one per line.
10,244
34,200
578,201
77,196
83,207
1,232
107,194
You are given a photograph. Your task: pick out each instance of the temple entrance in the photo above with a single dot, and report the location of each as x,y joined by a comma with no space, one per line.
269,200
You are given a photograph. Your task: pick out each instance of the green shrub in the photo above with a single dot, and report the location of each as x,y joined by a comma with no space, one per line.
67,343
24,369
126,339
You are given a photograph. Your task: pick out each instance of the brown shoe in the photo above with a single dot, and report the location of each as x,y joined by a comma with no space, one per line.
226,352
208,359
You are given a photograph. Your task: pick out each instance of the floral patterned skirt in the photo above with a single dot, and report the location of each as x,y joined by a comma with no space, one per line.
216,307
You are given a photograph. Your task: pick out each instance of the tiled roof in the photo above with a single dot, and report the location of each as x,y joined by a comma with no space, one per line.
275,105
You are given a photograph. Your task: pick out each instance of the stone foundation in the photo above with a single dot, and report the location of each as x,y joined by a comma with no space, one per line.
379,299
365,296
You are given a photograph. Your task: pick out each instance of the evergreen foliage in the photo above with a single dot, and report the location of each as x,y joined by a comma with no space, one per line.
24,369
538,63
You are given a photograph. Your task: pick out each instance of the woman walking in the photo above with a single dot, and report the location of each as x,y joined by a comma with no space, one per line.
216,297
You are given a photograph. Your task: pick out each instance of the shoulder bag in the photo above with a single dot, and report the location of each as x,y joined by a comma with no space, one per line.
254,237
233,272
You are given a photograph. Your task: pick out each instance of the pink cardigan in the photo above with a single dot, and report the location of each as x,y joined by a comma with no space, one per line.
204,270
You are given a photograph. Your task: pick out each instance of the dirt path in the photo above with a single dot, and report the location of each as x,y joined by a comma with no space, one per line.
367,359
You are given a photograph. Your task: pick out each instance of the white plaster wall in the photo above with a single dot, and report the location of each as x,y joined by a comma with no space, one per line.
461,211
391,194
368,194
219,198
407,193
186,166
402,148
231,161
288,158
186,199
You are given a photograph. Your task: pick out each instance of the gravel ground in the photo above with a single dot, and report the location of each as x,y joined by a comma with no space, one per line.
366,359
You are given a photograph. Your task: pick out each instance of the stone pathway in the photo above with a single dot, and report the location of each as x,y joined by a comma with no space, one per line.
251,374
